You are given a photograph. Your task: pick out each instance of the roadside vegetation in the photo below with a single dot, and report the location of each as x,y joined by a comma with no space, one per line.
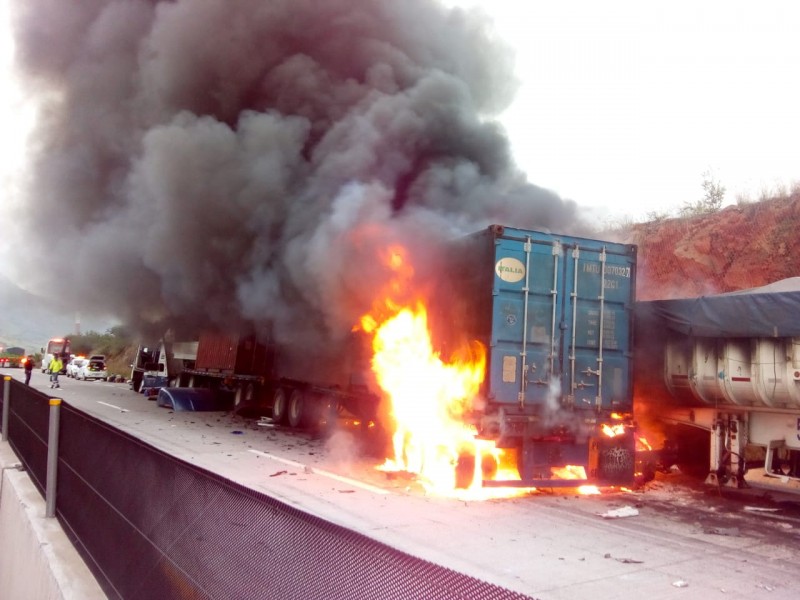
116,344
712,201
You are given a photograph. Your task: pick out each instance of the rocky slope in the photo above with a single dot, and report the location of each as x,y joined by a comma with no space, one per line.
736,248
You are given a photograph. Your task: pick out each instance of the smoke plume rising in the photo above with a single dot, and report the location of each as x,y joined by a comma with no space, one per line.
231,163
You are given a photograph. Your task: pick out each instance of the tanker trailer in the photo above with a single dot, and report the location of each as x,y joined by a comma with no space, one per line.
729,365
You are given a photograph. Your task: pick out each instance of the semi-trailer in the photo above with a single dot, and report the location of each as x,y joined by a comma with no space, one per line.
728,366
253,373
555,315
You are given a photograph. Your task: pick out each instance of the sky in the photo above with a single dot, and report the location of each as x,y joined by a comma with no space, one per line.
625,105
622,106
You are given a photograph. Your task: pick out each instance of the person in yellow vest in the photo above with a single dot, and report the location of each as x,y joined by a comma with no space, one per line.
55,368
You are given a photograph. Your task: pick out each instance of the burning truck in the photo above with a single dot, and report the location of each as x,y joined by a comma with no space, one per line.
511,367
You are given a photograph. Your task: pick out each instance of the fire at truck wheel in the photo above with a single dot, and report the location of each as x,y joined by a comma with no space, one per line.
297,409
465,468
279,406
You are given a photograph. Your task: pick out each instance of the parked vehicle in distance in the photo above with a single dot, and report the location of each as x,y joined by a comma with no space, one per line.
75,364
92,369
12,357
55,346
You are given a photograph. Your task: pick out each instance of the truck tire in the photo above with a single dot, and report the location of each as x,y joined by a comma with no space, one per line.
280,406
297,409
244,396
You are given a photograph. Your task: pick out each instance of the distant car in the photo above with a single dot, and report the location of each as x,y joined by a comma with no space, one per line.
76,363
92,369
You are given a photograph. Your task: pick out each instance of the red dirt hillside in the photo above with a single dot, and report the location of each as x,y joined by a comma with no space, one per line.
736,248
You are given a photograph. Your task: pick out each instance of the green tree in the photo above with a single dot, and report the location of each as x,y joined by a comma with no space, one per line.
111,343
713,196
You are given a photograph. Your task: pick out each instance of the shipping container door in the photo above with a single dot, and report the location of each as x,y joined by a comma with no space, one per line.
597,327
525,318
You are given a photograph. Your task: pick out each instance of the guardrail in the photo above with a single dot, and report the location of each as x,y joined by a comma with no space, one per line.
149,525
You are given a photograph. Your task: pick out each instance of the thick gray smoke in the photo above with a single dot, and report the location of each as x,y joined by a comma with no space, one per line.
230,163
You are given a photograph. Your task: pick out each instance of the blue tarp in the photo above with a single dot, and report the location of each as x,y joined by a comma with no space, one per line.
769,311
189,399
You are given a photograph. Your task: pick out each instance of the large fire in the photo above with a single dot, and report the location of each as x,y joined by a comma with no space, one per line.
429,397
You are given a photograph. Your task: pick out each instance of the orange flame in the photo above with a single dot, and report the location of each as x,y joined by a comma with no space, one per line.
568,472
613,430
429,395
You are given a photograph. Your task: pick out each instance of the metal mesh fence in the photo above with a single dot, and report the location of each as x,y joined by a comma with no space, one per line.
28,422
151,526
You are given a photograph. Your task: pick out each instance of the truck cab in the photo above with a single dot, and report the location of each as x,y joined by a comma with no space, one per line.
160,365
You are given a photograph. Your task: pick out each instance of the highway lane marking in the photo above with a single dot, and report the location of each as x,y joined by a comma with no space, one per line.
119,408
353,482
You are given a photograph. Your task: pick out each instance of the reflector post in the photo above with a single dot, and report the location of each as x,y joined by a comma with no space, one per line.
52,458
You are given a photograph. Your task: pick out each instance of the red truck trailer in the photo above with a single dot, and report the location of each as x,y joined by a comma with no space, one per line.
297,386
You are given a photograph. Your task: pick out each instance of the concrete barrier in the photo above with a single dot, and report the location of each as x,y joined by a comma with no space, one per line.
37,560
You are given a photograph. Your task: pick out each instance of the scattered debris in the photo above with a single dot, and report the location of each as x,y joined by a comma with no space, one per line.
729,531
680,583
618,513
276,473
627,561
760,509
237,432
764,586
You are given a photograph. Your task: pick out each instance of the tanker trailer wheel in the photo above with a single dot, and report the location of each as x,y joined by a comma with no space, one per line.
297,409
280,406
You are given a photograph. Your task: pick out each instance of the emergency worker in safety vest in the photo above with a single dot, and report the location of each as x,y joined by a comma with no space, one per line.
55,368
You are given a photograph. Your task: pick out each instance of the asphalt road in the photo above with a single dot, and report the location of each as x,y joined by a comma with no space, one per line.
680,539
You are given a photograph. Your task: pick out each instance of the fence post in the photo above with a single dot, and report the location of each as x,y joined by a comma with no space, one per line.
52,458
6,392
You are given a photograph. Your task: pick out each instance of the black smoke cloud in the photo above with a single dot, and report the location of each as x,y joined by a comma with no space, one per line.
228,163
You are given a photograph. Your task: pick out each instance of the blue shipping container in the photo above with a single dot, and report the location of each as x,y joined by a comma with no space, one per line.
554,313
